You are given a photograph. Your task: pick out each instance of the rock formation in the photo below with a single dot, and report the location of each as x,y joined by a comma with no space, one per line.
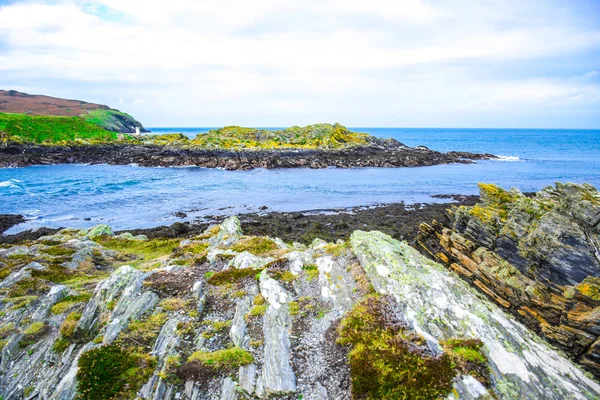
223,315
536,257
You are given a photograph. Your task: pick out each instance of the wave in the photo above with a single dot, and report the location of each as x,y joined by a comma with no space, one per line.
12,183
508,158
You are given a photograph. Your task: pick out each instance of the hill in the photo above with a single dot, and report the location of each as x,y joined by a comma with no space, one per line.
42,128
14,102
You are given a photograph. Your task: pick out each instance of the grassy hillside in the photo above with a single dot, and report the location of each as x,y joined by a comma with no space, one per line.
112,120
38,129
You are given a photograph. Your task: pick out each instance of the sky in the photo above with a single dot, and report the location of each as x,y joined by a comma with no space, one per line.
375,63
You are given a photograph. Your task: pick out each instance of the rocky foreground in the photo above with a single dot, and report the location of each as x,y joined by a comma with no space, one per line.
93,315
176,156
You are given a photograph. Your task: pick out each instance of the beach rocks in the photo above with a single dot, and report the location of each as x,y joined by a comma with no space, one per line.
537,257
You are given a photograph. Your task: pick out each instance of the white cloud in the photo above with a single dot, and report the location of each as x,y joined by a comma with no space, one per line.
272,62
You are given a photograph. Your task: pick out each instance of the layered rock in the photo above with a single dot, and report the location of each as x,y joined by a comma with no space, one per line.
537,257
223,315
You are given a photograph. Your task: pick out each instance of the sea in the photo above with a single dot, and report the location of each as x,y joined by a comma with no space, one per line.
130,196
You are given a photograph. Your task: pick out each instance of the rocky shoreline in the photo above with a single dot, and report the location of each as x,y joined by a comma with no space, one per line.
399,220
386,155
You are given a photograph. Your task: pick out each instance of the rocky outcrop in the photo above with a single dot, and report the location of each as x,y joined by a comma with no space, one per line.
171,156
537,257
190,319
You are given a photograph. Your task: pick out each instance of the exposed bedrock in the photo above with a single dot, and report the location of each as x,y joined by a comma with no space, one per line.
223,315
537,257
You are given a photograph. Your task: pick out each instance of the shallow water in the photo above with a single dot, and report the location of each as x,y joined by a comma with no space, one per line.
130,197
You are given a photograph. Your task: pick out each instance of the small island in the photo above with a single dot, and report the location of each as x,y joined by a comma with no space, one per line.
102,135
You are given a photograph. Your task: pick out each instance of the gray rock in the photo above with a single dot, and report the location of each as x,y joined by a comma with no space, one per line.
55,294
277,375
247,378
228,389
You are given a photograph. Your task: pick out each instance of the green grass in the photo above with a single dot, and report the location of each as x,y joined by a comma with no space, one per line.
145,250
107,119
39,129
223,359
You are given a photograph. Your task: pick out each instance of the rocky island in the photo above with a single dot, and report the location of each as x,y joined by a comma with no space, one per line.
93,134
219,314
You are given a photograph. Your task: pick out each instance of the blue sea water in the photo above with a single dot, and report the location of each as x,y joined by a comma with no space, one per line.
130,197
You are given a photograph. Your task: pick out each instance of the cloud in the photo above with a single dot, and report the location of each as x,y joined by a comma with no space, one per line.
270,62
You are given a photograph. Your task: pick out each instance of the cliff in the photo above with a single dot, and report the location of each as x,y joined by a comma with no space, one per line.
90,314
537,257
13,102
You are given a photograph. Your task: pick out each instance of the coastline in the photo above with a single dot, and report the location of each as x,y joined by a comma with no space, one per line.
180,156
399,220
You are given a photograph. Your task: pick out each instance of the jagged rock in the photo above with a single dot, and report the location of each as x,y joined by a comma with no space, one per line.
280,325
247,378
237,332
278,378
104,294
440,306
200,296
535,256
228,389
56,293
130,306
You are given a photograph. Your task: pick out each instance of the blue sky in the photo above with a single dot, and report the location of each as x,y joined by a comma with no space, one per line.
492,63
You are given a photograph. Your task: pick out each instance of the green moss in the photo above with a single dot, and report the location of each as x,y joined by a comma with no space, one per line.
227,359
173,304
294,308
20,302
111,372
68,302
144,249
387,360
230,275
59,251
256,245
283,276
56,130
68,326
28,287
256,311
312,272
27,391
337,250
143,332
32,333
7,329
197,248
60,345
34,329
468,357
